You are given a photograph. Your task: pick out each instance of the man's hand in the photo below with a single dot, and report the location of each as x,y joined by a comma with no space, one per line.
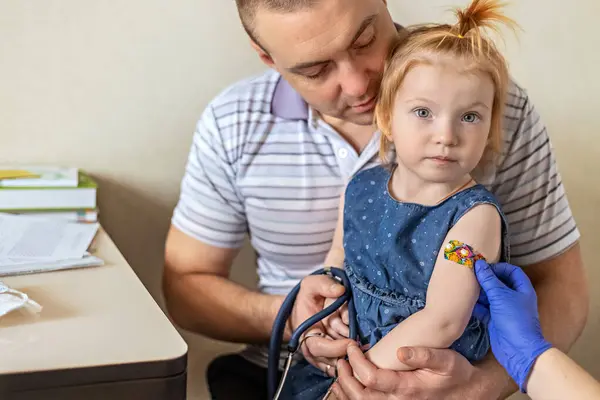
324,351
438,374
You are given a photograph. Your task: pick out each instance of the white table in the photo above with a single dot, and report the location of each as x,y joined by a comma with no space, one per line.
100,335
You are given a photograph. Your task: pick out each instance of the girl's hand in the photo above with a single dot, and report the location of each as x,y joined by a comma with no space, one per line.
336,325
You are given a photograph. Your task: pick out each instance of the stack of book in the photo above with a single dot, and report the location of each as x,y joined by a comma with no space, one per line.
64,193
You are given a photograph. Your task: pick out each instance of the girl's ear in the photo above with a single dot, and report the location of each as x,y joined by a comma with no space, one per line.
385,143
387,133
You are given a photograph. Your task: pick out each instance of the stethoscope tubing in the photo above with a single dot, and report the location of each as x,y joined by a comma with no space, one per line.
284,313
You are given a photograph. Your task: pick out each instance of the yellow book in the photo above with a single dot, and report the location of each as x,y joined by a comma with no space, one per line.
17,174
39,176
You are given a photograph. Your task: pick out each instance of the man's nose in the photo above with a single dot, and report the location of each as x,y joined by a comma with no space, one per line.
354,80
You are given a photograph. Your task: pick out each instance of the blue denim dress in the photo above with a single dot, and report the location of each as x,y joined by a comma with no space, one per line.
390,251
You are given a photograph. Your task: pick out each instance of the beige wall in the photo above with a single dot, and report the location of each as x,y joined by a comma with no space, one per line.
115,87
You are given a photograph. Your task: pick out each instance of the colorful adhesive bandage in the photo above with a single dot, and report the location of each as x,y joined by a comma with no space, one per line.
461,253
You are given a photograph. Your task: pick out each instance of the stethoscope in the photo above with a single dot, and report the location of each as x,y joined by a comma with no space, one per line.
294,344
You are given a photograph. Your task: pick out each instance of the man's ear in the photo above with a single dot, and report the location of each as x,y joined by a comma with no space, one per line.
264,56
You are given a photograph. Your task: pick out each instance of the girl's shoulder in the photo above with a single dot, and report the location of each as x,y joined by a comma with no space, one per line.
371,176
474,195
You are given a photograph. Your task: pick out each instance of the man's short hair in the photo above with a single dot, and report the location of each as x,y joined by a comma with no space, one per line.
247,11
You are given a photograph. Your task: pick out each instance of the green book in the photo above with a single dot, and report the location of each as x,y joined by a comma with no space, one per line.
30,198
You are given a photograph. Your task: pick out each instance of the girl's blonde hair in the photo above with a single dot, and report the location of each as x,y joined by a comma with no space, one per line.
465,41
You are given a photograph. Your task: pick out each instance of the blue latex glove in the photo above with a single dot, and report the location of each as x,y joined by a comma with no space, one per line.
515,332
481,310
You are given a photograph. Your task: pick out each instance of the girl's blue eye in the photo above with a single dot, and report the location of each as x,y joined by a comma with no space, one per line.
422,113
471,118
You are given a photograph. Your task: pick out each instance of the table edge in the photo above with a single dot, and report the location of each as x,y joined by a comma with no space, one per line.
36,380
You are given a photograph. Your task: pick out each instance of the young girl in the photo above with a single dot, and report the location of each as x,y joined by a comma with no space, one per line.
411,229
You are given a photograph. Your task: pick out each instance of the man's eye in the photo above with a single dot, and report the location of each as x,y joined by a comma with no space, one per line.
470,118
422,113
362,44
317,74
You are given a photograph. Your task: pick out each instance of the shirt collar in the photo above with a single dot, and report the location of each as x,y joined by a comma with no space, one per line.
287,103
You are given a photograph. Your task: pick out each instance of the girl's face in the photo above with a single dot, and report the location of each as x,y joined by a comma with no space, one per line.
441,119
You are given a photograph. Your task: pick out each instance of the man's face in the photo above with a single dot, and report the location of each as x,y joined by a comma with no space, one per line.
333,54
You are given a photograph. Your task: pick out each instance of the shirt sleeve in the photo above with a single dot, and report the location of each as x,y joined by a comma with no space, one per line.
529,186
209,206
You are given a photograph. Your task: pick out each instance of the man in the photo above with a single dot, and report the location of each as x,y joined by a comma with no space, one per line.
270,157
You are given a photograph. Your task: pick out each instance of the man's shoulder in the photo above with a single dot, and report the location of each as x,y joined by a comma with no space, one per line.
237,114
254,93
520,115
516,98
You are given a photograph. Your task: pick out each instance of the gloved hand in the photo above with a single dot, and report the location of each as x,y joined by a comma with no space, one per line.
515,332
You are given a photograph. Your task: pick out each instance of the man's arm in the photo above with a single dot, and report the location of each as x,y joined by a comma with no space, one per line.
201,298
562,290
208,229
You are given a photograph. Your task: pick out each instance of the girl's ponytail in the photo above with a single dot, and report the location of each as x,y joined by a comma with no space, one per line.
480,14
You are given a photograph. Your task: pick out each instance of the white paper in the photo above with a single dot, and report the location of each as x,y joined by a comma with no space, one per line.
15,262
31,268
40,239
